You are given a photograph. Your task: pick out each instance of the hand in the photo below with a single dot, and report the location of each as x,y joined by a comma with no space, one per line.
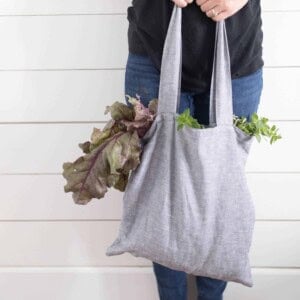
182,3
220,9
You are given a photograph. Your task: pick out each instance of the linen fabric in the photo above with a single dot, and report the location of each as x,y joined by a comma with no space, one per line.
187,205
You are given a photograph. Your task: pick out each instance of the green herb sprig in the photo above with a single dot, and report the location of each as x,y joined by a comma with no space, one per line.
186,119
258,126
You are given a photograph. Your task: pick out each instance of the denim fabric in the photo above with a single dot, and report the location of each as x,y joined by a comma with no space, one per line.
141,78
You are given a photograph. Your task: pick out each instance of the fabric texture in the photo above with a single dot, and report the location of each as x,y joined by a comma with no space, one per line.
187,205
148,24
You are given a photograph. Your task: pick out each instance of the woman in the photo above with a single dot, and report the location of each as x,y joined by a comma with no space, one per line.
148,24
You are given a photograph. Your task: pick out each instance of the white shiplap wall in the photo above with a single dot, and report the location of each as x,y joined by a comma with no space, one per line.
61,63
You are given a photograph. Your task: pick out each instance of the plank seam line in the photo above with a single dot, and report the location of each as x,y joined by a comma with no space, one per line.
118,14
112,69
116,220
9,267
60,174
62,69
100,122
61,15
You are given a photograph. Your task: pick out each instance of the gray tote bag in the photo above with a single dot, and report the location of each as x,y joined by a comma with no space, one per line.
187,205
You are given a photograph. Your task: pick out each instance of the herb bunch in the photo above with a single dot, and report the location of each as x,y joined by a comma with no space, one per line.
186,119
257,126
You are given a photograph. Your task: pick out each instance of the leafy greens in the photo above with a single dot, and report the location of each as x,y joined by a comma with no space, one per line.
111,153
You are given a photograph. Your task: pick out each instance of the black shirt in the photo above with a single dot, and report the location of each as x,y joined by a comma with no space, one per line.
148,24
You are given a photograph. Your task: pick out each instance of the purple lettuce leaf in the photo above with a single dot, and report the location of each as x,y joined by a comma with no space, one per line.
111,153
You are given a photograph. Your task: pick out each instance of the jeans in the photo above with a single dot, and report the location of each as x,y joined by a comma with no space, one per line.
142,79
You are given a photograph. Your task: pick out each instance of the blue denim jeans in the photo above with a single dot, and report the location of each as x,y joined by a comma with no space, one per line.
142,79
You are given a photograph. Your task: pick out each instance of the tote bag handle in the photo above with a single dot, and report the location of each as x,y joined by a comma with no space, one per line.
221,107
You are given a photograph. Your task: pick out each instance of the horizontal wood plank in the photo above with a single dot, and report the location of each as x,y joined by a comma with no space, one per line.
78,283
275,195
59,42
68,96
275,284
29,7
278,40
57,96
19,7
280,99
275,244
131,283
277,5
100,41
43,198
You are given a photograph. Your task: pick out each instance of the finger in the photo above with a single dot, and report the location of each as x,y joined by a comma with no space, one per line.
188,2
208,5
201,2
221,16
215,10
181,3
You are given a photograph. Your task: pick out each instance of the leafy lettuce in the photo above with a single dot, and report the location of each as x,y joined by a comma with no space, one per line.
111,153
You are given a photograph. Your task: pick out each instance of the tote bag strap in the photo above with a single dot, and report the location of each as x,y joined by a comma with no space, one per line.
221,108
